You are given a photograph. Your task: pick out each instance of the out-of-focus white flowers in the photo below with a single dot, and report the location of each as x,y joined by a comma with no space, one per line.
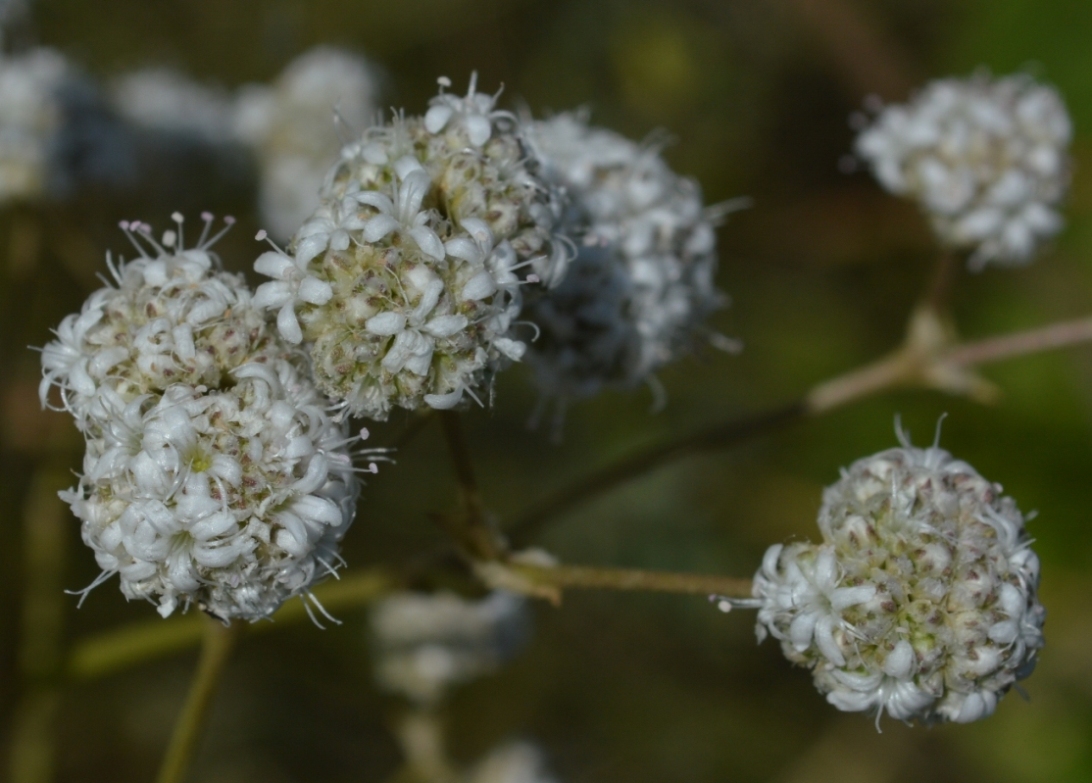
404,284
921,599
214,475
985,158
168,101
291,127
516,762
642,281
31,118
424,643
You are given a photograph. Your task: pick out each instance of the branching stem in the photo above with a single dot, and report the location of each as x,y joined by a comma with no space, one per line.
470,528
929,358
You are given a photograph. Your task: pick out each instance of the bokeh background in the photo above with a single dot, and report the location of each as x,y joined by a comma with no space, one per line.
822,271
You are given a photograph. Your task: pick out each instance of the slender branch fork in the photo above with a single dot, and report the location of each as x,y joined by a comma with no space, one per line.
928,359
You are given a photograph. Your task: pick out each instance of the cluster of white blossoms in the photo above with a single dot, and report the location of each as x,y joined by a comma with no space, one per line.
290,126
985,158
31,116
642,281
166,100
424,643
405,284
214,475
921,599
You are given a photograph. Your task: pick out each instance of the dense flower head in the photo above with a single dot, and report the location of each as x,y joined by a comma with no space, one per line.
985,158
405,284
291,126
31,116
642,281
921,598
214,474
172,317
424,643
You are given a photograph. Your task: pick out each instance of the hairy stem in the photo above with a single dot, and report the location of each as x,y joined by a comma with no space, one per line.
218,642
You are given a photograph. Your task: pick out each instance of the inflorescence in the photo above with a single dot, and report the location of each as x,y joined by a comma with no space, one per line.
921,598
985,158
214,474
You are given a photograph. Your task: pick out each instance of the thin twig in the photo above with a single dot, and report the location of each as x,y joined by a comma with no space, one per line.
594,578
219,641
870,61
415,427
471,528
992,349
719,436
927,359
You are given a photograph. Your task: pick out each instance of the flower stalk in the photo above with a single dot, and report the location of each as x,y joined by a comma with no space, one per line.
470,528
218,642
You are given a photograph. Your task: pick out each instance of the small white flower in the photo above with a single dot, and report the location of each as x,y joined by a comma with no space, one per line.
921,600
290,285
473,114
402,213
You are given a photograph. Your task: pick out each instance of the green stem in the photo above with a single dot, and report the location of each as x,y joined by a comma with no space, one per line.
929,358
219,640
470,528
594,578
719,436
33,752
116,650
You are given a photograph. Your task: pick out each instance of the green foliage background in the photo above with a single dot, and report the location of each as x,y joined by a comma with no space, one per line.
822,270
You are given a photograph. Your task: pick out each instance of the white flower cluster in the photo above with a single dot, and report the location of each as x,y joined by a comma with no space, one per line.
642,281
290,125
405,282
166,100
985,158
424,643
31,116
516,762
213,475
921,599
